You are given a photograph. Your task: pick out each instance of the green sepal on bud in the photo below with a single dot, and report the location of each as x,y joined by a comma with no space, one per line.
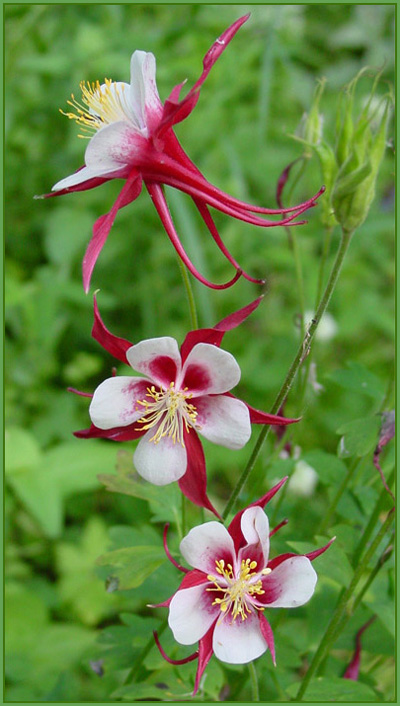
359,153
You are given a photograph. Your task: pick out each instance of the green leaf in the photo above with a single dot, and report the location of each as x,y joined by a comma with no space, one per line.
131,566
22,451
335,689
360,436
330,468
357,378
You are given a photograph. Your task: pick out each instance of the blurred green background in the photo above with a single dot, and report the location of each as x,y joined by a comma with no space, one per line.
57,513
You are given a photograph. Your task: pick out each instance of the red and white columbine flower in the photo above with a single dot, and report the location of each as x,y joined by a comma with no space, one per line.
221,603
182,393
131,137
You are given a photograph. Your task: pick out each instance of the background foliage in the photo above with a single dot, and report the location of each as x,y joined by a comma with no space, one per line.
61,620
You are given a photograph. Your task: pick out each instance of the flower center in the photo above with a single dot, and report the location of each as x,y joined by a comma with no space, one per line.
239,590
169,411
101,105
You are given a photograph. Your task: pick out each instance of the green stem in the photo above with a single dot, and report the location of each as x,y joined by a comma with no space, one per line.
332,631
342,487
373,519
133,673
183,506
254,682
189,294
301,354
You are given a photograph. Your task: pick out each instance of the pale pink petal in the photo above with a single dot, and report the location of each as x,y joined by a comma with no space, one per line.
191,614
255,529
291,584
158,358
160,463
223,420
238,641
114,146
209,370
206,544
114,402
144,96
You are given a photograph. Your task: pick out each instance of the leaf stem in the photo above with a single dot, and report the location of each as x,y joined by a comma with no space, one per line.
190,296
254,683
332,630
301,354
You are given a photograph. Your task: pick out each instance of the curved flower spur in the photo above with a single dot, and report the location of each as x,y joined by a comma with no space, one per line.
131,137
182,393
222,600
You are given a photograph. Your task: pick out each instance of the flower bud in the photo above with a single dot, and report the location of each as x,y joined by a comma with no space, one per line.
359,153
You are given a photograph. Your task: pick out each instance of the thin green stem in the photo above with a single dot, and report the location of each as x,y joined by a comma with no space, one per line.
183,507
322,265
332,631
254,682
342,487
189,294
373,519
301,354
133,673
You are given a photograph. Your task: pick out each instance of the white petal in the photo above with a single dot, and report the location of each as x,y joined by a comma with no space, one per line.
294,580
191,614
144,94
206,544
209,370
255,527
114,146
158,358
85,174
238,641
114,403
223,420
160,463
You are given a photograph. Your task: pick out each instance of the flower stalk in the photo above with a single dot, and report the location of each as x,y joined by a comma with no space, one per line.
301,355
332,630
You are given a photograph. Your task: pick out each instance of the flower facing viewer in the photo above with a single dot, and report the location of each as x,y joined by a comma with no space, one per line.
131,137
180,394
222,602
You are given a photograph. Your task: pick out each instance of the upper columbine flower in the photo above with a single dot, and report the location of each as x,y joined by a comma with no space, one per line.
182,393
222,601
131,138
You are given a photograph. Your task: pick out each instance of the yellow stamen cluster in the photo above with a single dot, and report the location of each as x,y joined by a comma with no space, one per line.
238,589
101,105
169,411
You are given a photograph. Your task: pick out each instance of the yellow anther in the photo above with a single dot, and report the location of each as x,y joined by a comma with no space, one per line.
169,412
266,571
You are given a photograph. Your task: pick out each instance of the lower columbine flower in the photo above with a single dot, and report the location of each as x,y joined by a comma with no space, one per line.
183,392
222,601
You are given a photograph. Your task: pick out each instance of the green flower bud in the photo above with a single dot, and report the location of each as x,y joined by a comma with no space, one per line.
359,153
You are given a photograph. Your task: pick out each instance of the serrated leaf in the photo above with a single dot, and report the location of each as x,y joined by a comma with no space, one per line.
132,565
360,436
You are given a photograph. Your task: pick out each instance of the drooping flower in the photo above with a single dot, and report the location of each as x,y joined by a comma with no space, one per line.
222,601
182,393
131,137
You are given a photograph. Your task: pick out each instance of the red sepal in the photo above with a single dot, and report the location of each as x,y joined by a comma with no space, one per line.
311,555
128,433
215,335
129,192
205,654
168,553
234,528
177,662
267,634
194,483
115,345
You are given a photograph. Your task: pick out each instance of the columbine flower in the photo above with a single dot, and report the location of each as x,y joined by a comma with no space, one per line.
131,138
222,601
182,393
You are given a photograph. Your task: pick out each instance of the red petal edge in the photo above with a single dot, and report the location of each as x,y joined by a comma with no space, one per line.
194,483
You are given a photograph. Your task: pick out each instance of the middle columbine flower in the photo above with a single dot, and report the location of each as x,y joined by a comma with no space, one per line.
182,393
175,400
